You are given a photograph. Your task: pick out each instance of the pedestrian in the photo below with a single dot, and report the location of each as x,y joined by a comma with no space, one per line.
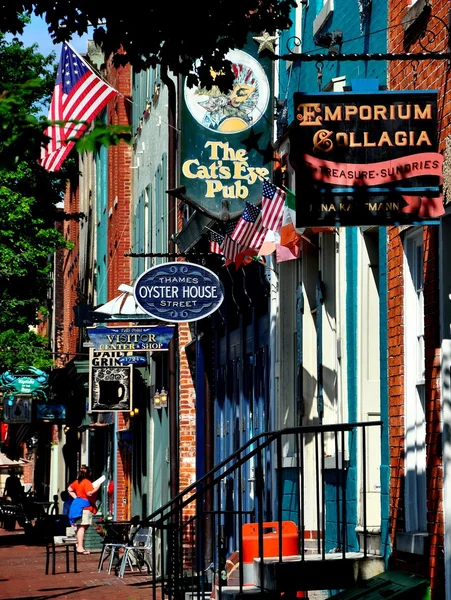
67,501
13,487
83,506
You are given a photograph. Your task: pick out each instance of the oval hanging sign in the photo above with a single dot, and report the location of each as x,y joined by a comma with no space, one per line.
132,360
178,292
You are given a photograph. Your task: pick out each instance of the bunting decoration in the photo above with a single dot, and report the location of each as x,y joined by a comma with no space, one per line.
260,232
78,97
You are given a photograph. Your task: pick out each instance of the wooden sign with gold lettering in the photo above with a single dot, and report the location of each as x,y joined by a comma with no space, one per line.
366,158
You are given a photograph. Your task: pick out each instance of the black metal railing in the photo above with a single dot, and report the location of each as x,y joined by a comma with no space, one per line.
292,484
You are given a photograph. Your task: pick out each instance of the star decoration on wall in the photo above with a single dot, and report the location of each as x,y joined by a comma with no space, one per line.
267,153
266,42
251,142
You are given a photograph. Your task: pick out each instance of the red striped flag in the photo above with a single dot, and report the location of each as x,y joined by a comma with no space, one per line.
230,248
79,95
216,241
273,200
249,231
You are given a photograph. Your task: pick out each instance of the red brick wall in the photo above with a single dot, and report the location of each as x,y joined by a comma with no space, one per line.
119,184
70,271
410,75
119,236
123,487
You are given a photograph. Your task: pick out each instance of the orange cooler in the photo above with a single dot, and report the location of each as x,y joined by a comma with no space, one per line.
270,540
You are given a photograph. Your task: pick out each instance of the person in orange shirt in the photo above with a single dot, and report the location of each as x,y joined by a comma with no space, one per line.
83,507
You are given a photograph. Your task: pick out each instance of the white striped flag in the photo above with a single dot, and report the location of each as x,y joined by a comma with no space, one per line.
230,248
249,231
216,241
273,200
79,95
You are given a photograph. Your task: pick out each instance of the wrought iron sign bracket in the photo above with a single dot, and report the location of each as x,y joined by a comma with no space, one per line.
322,57
425,37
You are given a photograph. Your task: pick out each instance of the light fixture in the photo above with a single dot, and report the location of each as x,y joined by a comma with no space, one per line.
157,400
163,397
136,411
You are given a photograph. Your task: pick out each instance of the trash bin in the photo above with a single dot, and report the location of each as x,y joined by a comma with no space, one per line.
270,540
290,545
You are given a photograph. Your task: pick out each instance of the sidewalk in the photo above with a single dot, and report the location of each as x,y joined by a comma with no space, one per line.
22,576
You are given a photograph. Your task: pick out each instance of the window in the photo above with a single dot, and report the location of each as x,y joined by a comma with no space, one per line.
415,425
326,9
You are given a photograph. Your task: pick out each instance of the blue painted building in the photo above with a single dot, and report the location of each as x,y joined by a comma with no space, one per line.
334,298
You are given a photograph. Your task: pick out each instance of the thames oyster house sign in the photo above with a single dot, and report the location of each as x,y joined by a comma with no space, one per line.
178,292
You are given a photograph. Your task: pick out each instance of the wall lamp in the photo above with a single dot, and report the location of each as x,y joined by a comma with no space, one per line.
160,399
331,40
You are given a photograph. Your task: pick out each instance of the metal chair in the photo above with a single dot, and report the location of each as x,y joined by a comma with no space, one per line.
57,543
119,535
137,554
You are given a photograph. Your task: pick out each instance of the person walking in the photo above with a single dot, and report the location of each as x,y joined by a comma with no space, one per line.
83,506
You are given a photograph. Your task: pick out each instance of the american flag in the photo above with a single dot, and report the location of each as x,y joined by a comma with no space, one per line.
273,200
79,95
216,241
230,248
249,231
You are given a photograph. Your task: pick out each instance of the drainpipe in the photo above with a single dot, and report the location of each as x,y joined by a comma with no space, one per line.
172,350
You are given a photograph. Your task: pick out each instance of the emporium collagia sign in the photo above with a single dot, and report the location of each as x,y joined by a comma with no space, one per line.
363,159
178,292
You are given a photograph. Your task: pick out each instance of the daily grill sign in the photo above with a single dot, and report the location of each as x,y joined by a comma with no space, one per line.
366,159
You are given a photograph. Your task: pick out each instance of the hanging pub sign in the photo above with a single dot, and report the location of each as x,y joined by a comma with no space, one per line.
226,146
178,292
366,158
126,339
110,383
18,410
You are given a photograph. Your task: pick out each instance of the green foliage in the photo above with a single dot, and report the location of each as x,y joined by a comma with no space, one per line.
28,194
21,350
104,135
150,33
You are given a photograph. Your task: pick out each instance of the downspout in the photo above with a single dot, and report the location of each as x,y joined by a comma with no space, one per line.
172,350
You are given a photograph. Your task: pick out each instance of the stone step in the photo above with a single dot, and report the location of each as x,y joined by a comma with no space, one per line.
313,572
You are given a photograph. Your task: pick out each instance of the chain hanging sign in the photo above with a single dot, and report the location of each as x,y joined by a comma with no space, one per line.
179,292
366,158
130,339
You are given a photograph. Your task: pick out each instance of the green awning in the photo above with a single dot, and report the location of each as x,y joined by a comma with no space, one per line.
387,586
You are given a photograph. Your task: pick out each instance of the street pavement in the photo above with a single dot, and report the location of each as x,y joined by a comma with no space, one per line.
22,575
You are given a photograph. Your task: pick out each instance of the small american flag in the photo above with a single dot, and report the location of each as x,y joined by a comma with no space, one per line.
273,200
216,241
79,95
230,248
249,231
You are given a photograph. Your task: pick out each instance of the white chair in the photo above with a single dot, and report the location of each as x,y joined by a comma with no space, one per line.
138,553
119,536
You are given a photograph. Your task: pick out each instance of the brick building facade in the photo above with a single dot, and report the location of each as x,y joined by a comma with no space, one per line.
409,24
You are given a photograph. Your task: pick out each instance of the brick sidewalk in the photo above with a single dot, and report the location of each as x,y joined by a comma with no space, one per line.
22,576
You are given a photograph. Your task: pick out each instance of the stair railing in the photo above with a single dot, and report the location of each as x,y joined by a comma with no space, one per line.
301,474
